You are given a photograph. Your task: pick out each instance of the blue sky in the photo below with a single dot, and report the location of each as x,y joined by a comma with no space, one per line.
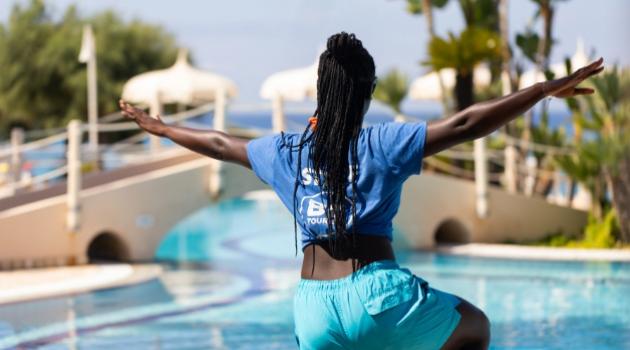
248,40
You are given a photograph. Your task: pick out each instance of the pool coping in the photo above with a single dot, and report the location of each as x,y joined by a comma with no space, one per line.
31,284
513,251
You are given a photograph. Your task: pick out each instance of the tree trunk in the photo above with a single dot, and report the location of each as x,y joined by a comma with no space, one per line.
545,178
468,10
546,12
511,176
464,89
427,9
620,186
506,55
571,188
597,192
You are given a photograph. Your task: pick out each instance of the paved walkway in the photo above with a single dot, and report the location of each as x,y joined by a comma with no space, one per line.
23,285
509,251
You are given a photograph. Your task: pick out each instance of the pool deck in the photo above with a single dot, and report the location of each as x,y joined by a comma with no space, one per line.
23,285
511,251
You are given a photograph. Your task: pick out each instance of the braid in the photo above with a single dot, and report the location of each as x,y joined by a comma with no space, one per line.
298,181
345,78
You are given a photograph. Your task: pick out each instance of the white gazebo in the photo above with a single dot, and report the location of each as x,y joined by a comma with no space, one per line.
427,87
533,76
186,85
182,84
291,85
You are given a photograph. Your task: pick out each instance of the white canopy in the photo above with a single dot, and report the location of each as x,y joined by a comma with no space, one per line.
291,85
578,60
427,87
181,83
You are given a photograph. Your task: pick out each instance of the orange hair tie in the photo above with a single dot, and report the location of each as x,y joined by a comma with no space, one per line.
313,122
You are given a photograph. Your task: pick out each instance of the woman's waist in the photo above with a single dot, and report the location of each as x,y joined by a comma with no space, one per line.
328,259
314,236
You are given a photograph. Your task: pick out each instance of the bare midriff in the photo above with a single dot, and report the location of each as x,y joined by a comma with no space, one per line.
320,264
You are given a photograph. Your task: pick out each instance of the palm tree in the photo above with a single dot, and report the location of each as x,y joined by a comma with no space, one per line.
391,90
462,53
506,54
425,7
603,158
507,88
537,48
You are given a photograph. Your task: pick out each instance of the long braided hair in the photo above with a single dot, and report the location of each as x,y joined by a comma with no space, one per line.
346,76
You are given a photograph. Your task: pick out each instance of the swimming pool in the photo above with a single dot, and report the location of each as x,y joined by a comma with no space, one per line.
235,291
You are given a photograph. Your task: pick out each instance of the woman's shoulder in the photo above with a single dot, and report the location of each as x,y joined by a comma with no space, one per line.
394,129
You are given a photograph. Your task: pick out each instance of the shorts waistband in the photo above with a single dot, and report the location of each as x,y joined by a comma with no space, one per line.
342,283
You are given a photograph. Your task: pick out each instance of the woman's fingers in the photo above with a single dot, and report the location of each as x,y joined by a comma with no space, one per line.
567,86
587,71
123,110
594,65
596,71
591,69
583,91
127,110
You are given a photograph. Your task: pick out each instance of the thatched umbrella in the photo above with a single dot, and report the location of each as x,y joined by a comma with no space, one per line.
291,85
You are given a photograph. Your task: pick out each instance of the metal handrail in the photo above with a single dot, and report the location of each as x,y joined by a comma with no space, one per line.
36,144
62,170
455,170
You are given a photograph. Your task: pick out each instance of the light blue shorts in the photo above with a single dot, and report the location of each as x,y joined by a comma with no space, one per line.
380,306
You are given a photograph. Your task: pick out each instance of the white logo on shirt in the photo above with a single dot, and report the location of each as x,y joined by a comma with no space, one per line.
315,210
308,176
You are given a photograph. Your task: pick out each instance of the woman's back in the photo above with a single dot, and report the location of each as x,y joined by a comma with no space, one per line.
387,154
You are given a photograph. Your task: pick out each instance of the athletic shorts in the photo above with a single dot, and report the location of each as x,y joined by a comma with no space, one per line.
380,306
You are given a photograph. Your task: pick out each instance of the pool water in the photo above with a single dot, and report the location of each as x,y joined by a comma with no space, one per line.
233,289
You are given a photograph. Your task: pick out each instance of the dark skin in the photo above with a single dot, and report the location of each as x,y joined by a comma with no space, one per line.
476,121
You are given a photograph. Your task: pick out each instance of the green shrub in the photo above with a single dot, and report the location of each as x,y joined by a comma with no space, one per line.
597,234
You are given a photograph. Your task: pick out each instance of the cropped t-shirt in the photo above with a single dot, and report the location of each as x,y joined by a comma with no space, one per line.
388,153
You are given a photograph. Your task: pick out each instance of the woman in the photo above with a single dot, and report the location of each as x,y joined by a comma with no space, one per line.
343,184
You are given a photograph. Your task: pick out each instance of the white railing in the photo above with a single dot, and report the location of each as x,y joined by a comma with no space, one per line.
128,149
528,170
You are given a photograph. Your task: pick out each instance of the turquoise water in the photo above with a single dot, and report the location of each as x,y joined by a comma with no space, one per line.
234,284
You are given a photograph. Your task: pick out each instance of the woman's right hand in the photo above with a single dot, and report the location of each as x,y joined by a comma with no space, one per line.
154,126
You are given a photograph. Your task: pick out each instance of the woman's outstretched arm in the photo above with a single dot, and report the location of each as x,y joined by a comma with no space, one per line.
211,143
484,118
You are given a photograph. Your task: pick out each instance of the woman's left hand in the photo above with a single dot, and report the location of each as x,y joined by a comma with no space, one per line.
567,86
154,126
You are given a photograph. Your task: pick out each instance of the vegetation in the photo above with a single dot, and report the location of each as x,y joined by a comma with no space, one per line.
601,162
478,42
601,123
42,83
425,8
599,233
463,53
392,89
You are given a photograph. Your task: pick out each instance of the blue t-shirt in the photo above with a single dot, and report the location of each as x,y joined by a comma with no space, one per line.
388,153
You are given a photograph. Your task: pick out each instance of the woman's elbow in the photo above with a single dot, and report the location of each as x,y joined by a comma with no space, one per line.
464,127
470,126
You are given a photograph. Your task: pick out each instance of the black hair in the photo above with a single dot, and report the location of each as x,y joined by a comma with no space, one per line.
346,75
